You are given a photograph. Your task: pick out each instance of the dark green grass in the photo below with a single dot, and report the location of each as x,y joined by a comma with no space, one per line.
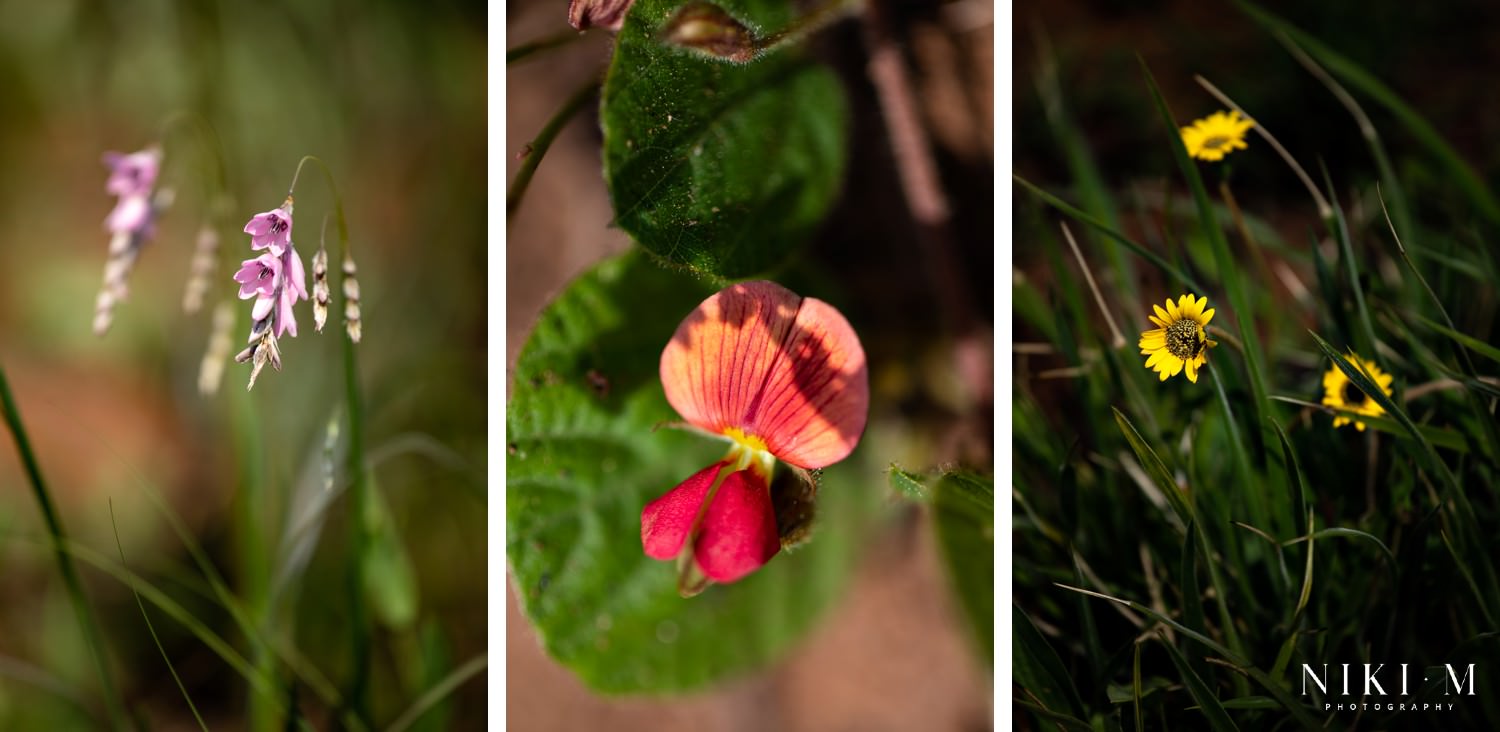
1181,549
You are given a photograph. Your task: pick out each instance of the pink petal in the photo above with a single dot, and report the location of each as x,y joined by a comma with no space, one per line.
296,276
738,534
667,521
787,369
262,308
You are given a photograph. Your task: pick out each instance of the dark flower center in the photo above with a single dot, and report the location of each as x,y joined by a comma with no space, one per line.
1351,395
1183,340
1215,142
277,225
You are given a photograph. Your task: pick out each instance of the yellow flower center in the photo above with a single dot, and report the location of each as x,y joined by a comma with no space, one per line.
1184,339
747,441
749,451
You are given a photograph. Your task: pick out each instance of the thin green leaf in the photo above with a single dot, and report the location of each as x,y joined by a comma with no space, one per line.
1470,342
1438,436
907,484
1271,685
439,691
1038,670
1208,703
1155,468
167,659
1103,228
963,513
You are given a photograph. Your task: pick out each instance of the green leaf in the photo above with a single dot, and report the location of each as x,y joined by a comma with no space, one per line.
720,168
1155,468
584,457
1271,684
1103,228
963,507
1218,719
1039,671
1464,339
907,484
390,581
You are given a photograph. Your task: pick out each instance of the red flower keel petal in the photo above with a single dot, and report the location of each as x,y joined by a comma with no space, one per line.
738,534
667,521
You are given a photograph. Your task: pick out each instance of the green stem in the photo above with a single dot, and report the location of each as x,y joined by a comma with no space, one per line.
254,574
527,49
359,539
80,602
538,146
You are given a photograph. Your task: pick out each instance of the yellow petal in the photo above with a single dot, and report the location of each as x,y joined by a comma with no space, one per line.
1207,315
1192,370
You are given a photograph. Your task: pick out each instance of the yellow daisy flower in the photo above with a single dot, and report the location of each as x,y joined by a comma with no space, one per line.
1214,136
1341,393
1178,342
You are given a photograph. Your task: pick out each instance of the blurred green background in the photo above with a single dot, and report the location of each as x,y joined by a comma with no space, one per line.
391,95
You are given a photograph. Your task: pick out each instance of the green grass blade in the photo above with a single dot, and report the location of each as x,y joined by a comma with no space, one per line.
1183,507
1354,533
439,691
1438,436
1467,341
59,536
1218,719
1363,383
1039,671
1155,468
1294,481
165,657
1270,684
1338,227
1103,228
1420,128
1135,688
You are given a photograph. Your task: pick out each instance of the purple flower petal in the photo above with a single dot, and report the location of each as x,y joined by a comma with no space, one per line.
257,277
296,276
272,229
133,174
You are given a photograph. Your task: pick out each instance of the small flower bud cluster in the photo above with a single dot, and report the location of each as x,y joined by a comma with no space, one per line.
131,224
351,300
205,257
211,370
320,289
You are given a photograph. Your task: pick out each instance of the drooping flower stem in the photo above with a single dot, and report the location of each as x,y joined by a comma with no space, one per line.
359,499
253,556
55,529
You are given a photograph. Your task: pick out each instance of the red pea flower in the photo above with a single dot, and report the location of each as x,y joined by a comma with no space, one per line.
781,377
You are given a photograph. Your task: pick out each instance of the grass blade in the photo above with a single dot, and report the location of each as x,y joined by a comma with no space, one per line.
443,688
1039,671
58,534
1271,685
167,659
1218,719
1103,228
